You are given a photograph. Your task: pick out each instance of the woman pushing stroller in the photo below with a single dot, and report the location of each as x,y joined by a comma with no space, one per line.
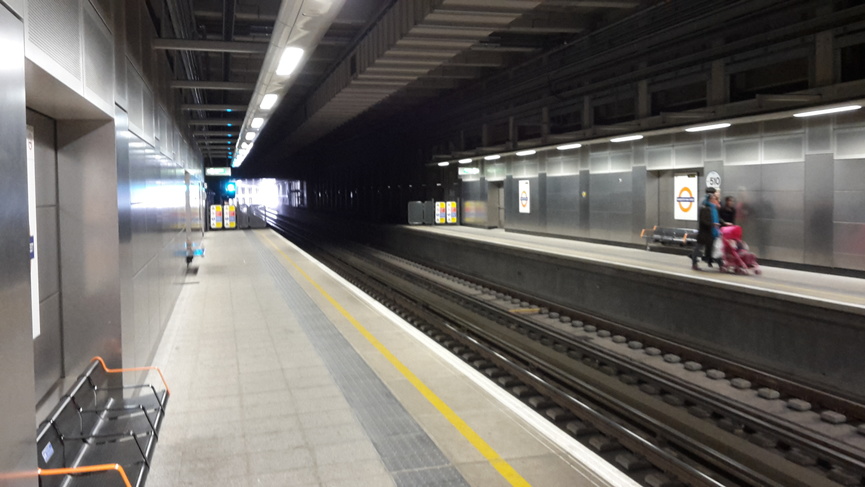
734,252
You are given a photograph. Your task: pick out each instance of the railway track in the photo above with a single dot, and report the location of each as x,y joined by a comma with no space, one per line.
666,414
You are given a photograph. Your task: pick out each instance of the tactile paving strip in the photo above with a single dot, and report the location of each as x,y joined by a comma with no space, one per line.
407,452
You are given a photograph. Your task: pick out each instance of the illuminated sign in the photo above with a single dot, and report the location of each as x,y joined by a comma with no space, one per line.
217,171
524,196
685,193
462,171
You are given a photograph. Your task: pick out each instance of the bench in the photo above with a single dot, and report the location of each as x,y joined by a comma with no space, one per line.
682,237
101,433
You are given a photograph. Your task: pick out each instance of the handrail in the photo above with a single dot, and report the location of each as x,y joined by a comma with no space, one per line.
132,369
88,469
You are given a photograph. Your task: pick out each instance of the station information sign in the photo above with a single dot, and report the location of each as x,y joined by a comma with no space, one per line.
524,196
685,194
217,171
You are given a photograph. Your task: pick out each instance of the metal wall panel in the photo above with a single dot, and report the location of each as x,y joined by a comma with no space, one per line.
135,100
45,158
639,189
621,161
783,149
818,205
87,190
780,126
563,205
818,136
120,62
48,347
714,147
48,252
850,143
17,401
98,58
742,151
688,156
54,27
152,195
659,158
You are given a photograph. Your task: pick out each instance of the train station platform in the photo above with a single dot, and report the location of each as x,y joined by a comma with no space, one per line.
284,374
819,289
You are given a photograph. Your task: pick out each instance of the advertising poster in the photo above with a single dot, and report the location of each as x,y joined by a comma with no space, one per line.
440,212
451,213
215,216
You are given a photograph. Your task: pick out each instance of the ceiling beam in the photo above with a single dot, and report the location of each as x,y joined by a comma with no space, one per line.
206,133
210,46
213,85
216,108
215,121
593,3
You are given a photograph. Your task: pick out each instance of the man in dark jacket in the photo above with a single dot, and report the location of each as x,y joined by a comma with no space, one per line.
727,212
708,230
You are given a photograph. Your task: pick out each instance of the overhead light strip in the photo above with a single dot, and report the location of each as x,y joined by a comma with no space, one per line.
289,60
268,101
827,111
627,138
704,128
569,146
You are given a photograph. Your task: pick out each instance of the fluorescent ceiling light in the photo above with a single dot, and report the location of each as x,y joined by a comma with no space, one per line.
443,164
257,122
703,128
288,62
827,111
249,135
526,153
465,161
268,101
626,138
492,157
569,146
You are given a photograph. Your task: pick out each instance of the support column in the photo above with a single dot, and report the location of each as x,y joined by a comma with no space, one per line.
824,59
588,113
644,101
716,91
545,124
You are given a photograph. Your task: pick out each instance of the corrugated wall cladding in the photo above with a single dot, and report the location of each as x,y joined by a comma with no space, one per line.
98,58
54,27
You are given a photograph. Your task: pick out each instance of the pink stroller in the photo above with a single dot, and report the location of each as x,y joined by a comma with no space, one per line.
735,254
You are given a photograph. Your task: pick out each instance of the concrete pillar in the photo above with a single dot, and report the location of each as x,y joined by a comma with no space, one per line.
545,124
588,113
824,59
716,92
644,101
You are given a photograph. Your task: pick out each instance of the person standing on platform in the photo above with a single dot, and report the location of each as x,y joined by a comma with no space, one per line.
727,213
708,230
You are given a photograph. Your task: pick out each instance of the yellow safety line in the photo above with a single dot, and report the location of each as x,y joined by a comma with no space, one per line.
497,462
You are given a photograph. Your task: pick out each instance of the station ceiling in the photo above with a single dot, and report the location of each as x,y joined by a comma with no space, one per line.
370,58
